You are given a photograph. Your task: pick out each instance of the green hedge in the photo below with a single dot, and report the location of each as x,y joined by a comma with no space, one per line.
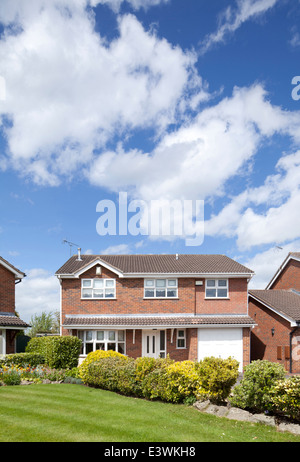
59,352
23,359
162,379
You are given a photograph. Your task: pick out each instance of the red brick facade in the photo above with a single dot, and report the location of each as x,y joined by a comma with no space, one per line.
275,338
7,290
130,301
289,278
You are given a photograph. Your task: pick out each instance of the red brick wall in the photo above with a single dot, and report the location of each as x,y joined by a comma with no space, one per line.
289,278
235,304
130,293
7,290
264,345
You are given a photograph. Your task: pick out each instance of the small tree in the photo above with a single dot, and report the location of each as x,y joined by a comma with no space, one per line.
46,323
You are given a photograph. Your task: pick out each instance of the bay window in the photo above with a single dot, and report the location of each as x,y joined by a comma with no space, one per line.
105,340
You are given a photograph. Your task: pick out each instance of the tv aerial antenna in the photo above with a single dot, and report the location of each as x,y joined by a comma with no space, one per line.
71,244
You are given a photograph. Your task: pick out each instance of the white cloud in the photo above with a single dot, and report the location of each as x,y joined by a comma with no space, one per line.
135,4
265,214
68,90
232,19
266,263
39,291
121,249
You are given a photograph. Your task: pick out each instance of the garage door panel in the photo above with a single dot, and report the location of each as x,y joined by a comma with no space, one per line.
221,343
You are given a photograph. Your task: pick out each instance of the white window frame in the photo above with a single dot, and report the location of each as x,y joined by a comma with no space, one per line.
108,285
181,337
91,337
155,287
216,287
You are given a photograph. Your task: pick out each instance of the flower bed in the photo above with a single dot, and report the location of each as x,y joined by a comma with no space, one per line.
16,375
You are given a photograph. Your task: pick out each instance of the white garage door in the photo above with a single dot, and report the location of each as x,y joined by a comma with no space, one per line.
221,343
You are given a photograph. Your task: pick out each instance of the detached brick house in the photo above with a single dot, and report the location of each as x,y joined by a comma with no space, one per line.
187,306
10,324
276,311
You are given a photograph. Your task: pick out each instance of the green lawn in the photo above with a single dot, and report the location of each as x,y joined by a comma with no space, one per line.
71,413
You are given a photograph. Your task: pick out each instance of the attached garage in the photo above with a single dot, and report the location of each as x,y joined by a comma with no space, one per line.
221,343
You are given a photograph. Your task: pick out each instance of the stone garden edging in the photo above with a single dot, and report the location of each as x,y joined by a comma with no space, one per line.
235,413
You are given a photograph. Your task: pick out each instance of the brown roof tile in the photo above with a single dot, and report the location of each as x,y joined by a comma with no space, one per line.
155,321
11,321
286,302
160,264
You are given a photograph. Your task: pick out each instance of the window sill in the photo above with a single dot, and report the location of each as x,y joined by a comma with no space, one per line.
160,298
216,298
99,299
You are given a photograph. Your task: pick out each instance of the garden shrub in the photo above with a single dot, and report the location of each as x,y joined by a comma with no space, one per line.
23,359
59,352
253,392
181,382
104,373
285,397
217,377
92,357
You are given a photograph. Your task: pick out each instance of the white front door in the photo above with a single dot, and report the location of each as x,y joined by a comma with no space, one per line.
221,343
151,343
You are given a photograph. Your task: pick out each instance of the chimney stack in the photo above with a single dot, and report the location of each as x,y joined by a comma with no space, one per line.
79,254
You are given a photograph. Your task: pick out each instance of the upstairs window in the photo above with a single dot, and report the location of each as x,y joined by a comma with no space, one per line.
98,288
160,288
216,288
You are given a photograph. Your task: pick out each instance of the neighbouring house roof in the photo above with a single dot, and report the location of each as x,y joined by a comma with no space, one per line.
291,256
139,265
286,303
164,321
18,274
10,320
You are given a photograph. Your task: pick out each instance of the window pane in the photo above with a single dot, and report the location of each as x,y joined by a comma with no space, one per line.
160,293
121,335
162,340
172,282
87,293
100,346
222,292
121,348
111,346
210,283
210,292
88,348
181,333
172,293
98,283
89,335
100,334
222,282
149,293
149,282
109,293
160,283
110,283
111,335
181,343
86,283
98,293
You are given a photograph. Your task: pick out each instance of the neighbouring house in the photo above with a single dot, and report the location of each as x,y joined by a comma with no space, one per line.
276,311
187,306
10,323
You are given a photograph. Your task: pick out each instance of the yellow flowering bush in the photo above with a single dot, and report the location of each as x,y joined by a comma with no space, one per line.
285,397
92,357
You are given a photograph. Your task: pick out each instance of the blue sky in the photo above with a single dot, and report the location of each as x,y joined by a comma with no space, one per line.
162,99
